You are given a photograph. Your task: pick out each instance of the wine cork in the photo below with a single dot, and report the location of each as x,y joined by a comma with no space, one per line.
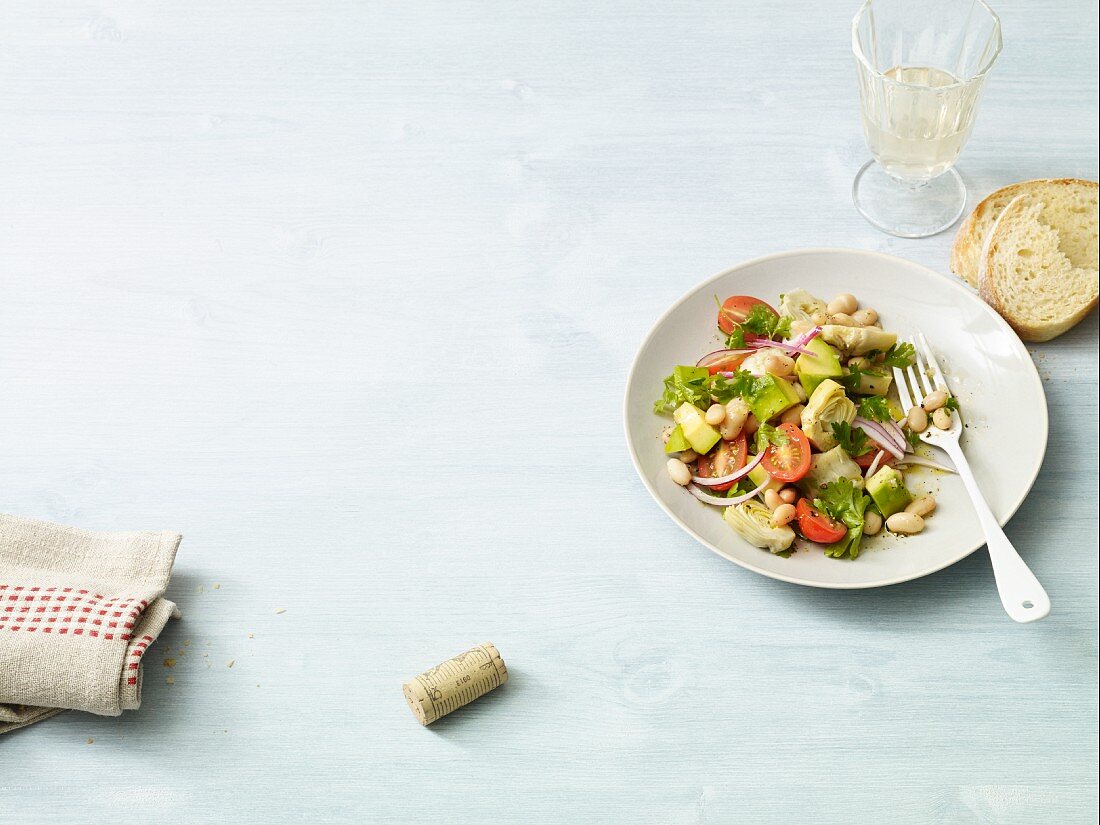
457,682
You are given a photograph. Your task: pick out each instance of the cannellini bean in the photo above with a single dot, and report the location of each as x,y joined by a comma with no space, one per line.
715,415
789,495
934,400
783,514
778,364
800,328
800,391
793,415
917,419
842,319
844,302
688,456
736,413
819,318
942,418
905,523
751,425
865,317
872,522
772,499
922,506
679,472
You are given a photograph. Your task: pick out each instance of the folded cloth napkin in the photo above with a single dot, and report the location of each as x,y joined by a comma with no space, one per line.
78,609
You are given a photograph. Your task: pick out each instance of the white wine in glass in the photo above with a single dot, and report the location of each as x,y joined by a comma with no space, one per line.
921,71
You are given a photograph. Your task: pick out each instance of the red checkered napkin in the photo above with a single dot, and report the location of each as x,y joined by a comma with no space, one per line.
78,609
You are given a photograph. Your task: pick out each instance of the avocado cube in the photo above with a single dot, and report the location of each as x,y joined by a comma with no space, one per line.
813,369
677,441
887,489
699,434
771,396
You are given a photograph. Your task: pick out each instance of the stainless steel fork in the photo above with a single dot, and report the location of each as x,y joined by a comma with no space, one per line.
1023,597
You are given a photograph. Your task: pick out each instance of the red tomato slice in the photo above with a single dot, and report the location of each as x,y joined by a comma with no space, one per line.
736,309
865,460
816,526
791,461
729,457
730,362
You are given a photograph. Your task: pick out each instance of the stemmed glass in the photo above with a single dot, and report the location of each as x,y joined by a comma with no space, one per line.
921,68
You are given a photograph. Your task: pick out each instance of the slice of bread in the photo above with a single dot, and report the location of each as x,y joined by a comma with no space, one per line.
1071,209
1026,275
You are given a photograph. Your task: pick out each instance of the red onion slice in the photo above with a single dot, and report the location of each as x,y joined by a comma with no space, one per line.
804,339
879,433
921,461
712,359
763,343
734,476
899,435
874,464
719,501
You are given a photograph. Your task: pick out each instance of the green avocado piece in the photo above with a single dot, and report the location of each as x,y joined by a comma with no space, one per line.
813,369
677,441
772,396
887,489
699,434
757,475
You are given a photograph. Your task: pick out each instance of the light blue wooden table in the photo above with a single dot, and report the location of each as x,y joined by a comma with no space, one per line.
347,291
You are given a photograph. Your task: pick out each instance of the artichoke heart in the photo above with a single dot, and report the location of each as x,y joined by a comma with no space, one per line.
828,467
752,521
799,305
858,340
827,406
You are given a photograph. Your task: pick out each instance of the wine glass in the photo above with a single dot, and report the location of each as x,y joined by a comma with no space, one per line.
922,66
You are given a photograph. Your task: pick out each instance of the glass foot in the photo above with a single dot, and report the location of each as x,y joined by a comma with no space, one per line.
907,211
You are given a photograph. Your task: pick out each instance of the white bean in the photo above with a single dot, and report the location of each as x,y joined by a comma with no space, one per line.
934,400
777,364
789,495
865,317
736,413
689,455
842,319
819,319
905,523
800,391
751,425
922,506
844,302
917,419
783,514
793,415
872,522
800,328
772,499
715,415
942,418
679,472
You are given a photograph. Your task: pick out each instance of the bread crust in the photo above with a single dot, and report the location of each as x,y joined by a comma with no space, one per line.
967,250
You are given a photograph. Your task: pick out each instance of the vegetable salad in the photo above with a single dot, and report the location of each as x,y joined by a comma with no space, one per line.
792,428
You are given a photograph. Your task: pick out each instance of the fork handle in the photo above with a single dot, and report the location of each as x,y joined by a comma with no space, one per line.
1016,584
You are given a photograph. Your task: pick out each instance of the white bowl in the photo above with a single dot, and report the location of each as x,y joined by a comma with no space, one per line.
990,371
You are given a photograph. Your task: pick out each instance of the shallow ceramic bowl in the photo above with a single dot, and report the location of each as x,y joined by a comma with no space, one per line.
990,371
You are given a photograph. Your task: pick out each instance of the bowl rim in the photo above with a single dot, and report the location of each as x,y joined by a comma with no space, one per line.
952,283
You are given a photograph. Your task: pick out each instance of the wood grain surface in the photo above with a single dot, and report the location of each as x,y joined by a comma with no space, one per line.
346,292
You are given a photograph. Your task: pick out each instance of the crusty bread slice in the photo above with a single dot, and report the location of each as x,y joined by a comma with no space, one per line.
1027,276
1070,208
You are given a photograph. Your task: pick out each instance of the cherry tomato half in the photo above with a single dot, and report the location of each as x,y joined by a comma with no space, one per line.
736,309
728,457
791,461
816,526
730,362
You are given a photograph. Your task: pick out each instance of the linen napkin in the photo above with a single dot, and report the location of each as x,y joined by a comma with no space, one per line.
78,610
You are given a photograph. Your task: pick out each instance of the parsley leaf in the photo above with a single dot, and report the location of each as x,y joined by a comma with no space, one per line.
913,438
767,434
952,403
842,501
854,442
686,384
900,355
875,407
762,322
